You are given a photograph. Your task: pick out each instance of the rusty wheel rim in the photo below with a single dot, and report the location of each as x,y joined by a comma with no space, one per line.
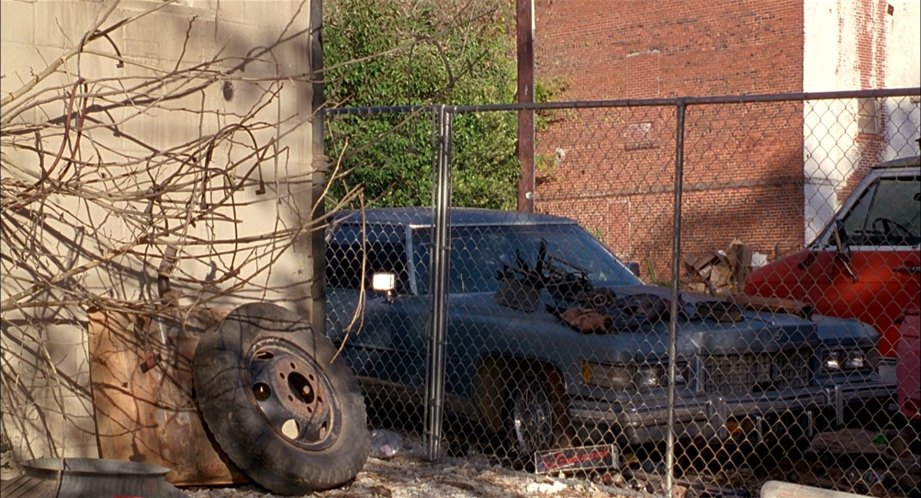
292,393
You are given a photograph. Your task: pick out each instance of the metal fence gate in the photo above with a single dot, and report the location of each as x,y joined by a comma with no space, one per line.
737,322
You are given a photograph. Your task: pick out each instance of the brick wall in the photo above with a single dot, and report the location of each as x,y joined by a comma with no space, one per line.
613,169
613,49
871,69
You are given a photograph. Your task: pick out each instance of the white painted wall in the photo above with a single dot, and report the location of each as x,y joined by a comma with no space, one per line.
832,62
903,70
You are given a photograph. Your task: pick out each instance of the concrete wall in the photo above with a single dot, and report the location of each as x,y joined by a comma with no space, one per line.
261,55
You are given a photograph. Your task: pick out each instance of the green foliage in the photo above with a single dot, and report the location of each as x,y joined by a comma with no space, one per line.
546,90
405,52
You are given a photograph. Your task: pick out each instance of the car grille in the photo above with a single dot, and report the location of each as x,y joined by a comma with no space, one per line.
752,373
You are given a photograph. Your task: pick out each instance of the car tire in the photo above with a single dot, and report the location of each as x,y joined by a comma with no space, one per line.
533,424
788,440
278,401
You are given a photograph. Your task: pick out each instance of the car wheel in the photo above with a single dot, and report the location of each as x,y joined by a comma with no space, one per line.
277,404
532,419
788,439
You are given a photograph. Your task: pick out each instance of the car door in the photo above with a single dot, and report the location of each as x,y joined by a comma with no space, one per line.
382,336
873,274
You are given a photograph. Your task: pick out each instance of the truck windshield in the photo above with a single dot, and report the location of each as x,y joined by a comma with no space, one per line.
478,253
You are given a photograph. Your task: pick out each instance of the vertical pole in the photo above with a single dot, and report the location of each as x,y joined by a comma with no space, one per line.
673,319
524,22
317,304
435,368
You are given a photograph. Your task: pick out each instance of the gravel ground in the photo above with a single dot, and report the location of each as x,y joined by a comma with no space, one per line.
408,474
412,477
397,469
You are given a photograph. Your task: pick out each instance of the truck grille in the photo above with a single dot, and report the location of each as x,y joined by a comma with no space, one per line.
752,373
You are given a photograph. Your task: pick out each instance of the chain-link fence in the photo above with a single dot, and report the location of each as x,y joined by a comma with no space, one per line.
753,334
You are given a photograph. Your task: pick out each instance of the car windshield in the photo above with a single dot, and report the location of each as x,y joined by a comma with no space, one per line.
886,214
478,253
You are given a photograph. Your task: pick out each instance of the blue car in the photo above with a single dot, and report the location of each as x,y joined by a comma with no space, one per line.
553,342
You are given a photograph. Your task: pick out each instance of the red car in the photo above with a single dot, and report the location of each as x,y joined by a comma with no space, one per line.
865,264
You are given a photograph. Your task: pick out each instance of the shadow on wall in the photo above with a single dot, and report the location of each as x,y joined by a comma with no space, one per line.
182,152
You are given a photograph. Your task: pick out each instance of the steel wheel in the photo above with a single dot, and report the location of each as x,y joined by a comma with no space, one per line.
294,395
533,422
277,404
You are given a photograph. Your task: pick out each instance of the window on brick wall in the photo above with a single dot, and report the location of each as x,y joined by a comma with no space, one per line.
868,116
639,136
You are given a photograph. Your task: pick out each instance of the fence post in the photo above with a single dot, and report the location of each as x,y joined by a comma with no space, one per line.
435,367
673,318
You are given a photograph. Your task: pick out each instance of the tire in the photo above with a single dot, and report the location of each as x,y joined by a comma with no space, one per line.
533,424
788,440
287,415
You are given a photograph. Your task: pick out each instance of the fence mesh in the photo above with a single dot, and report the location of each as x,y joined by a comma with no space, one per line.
566,346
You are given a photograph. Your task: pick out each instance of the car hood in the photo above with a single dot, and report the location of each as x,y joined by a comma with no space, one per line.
697,332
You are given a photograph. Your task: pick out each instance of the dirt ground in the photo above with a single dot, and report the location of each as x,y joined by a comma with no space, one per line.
404,472
409,474
848,460
404,477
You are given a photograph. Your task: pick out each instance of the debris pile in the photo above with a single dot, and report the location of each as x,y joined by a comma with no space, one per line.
721,272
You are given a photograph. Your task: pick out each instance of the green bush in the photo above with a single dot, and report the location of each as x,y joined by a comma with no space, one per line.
401,52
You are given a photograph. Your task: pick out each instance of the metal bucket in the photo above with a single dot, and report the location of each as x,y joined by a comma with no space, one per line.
90,477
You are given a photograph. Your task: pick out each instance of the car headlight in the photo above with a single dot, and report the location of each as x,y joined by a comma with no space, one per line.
832,360
849,360
855,359
648,376
610,376
630,376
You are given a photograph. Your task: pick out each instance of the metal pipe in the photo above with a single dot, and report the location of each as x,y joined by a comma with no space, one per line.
722,99
387,109
673,314
435,371
317,243
660,102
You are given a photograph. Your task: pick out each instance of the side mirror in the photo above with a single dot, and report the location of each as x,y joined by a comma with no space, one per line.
384,283
634,267
842,250
839,236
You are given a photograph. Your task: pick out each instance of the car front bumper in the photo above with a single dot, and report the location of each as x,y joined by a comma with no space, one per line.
715,416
